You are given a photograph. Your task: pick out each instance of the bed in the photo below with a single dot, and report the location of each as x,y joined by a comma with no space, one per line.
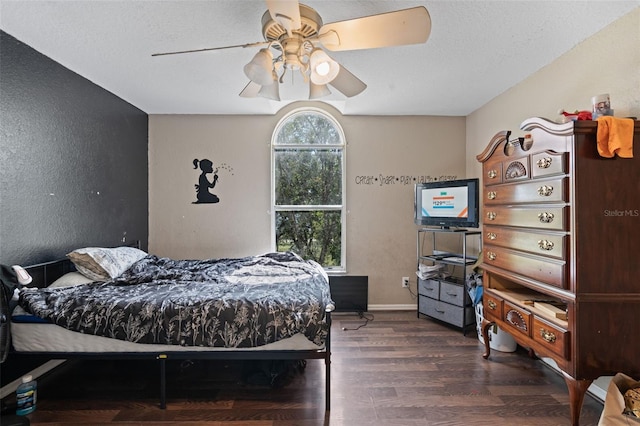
124,303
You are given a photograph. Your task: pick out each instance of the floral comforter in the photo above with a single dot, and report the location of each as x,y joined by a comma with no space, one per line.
234,303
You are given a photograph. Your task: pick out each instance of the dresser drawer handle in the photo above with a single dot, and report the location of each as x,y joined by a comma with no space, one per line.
452,294
492,174
492,195
492,305
491,215
547,335
545,245
545,190
492,235
544,163
439,311
546,217
491,255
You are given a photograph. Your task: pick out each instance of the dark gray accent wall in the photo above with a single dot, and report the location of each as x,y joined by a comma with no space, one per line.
73,160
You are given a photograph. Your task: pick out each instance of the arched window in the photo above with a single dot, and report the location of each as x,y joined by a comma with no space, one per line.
307,191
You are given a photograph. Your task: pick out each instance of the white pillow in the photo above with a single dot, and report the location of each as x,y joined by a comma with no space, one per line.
70,279
103,264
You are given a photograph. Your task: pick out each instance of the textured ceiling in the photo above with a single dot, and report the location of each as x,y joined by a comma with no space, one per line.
477,50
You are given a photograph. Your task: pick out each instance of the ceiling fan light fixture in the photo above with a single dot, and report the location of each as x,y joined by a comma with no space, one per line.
260,69
317,91
271,91
323,68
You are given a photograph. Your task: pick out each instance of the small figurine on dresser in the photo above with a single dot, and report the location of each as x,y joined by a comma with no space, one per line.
565,117
601,105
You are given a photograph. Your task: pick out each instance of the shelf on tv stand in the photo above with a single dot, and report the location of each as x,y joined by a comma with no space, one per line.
459,260
445,229
452,258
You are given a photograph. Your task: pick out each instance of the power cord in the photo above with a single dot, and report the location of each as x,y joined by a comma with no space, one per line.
361,315
413,295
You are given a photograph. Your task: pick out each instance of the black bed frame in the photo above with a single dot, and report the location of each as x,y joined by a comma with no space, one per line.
46,273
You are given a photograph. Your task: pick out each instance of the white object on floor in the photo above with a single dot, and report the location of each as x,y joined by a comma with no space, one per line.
498,339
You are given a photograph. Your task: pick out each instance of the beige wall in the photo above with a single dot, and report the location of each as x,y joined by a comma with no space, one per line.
608,62
380,228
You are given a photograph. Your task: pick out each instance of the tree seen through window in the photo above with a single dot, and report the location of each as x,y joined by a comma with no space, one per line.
308,169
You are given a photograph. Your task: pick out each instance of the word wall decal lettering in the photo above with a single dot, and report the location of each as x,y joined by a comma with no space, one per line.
387,180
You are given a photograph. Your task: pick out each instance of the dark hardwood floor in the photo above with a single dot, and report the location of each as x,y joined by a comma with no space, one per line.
397,370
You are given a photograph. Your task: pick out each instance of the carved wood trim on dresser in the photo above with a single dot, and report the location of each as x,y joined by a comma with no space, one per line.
561,249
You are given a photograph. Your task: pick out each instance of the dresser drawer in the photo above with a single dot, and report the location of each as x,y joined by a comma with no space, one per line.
492,173
545,244
546,191
429,288
543,217
547,270
551,337
547,164
516,169
445,312
454,294
517,318
492,306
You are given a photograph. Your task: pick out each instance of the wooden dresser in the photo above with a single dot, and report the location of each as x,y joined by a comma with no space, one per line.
561,250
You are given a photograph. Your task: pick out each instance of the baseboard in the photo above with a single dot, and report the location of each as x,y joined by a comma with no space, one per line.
403,307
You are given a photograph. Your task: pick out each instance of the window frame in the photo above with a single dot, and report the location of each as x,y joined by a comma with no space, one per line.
342,207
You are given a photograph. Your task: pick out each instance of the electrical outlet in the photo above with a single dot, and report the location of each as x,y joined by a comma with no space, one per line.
405,281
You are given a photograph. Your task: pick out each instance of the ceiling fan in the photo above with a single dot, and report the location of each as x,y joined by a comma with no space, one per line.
297,35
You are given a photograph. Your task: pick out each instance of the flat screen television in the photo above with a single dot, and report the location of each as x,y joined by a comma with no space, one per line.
447,204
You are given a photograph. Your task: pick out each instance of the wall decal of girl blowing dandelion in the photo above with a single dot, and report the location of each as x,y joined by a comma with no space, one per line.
202,187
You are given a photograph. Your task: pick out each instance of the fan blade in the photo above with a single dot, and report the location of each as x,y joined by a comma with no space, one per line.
407,26
347,83
286,13
179,52
250,90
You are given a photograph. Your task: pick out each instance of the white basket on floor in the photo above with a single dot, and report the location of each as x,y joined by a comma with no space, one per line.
498,339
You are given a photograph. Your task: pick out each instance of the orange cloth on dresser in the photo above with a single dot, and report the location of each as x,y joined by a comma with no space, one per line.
615,136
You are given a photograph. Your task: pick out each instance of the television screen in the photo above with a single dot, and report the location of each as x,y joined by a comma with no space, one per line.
447,204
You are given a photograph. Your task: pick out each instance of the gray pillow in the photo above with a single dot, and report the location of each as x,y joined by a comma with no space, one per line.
103,264
71,279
